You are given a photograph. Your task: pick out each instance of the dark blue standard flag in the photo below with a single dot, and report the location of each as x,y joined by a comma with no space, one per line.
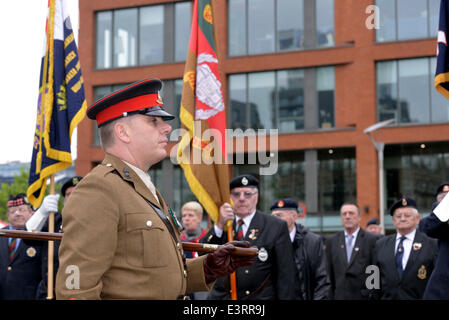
442,72
61,104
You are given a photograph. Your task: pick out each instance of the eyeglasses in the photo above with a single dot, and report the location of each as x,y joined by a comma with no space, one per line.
18,210
246,194
405,215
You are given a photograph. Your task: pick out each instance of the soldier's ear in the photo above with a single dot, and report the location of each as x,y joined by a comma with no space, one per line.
121,131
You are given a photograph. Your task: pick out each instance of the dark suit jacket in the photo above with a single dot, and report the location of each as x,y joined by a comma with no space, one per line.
419,267
310,260
268,234
19,278
438,285
41,293
348,279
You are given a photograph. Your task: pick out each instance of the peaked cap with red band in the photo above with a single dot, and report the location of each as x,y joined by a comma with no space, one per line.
141,97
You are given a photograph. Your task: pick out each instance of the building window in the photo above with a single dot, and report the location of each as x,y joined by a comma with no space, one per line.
288,182
276,99
268,26
171,96
325,90
336,179
143,35
325,23
415,170
405,92
181,191
407,19
151,36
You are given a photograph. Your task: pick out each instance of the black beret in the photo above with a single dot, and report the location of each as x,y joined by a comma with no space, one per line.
444,187
140,97
70,183
404,202
372,221
245,180
286,203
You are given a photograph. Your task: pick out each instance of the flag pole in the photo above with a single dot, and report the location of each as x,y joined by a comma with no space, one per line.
51,215
51,244
232,276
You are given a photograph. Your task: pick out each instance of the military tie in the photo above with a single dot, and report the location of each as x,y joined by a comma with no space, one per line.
399,255
349,246
239,232
12,248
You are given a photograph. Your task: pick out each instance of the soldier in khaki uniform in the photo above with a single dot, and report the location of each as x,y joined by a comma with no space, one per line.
121,240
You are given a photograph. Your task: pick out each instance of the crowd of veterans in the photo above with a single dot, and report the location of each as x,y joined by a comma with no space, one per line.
126,242
293,263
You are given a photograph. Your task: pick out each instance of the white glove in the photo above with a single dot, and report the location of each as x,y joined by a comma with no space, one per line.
50,204
38,219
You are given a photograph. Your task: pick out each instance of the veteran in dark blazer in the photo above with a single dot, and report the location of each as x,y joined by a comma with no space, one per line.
20,264
406,259
272,276
438,228
348,253
121,240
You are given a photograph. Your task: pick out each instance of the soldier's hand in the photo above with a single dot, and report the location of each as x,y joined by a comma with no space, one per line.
221,262
226,213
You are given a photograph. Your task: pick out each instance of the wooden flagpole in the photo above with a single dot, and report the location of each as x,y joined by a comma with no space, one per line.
51,245
232,277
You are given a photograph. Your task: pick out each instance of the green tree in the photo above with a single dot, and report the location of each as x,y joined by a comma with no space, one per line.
19,185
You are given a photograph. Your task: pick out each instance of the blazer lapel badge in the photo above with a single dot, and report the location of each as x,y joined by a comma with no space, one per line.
422,272
253,234
417,246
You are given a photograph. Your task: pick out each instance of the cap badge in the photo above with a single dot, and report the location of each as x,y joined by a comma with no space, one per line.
31,252
75,181
159,98
422,272
263,254
446,188
281,203
404,202
244,181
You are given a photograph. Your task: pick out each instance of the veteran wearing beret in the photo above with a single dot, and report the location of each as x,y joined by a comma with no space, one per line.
373,226
121,240
20,263
271,276
437,227
310,259
406,258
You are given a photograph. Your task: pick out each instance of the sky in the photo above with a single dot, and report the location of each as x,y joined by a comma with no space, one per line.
22,30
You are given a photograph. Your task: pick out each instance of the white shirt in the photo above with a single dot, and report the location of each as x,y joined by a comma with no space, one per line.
246,222
356,232
145,177
407,244
293,233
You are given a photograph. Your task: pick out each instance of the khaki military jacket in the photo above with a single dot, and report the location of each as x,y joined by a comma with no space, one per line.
115,246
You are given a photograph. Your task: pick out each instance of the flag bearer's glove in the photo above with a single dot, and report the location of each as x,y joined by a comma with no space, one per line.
38,219
221,262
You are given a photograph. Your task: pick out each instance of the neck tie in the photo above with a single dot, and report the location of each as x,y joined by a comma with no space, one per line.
239,232
12,248
349,246
399,255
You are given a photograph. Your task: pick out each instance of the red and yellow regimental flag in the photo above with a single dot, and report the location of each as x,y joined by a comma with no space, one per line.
202,149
